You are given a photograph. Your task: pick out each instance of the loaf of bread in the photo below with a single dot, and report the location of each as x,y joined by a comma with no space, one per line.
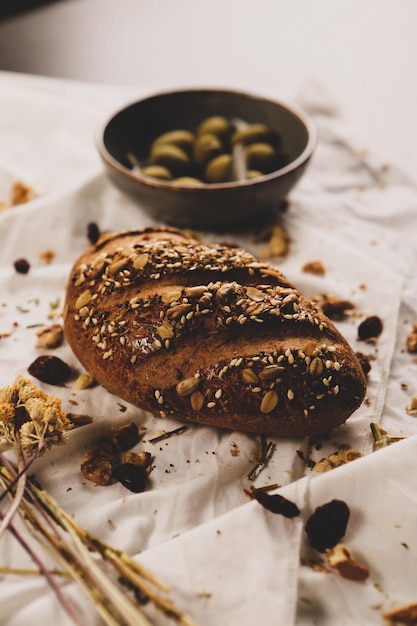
206,333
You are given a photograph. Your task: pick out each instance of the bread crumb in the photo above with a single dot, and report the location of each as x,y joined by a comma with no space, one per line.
278,243
314,267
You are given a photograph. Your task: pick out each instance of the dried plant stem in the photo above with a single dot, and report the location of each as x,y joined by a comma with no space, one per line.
77,561
20,480
127,567
31,572
44,570
75,557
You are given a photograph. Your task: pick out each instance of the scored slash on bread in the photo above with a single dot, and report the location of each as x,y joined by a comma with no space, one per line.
206,333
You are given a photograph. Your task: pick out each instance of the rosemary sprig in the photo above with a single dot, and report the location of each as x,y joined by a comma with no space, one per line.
168,434
382,438
267,450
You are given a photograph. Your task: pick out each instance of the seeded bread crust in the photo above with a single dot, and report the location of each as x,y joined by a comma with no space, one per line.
206,333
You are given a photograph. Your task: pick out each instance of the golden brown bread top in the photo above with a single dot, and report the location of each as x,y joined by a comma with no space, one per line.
207,333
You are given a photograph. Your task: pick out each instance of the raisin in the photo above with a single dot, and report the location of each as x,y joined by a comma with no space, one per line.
131,476
327,525
50,369
364,361
93,232
370,328
22,266
277,504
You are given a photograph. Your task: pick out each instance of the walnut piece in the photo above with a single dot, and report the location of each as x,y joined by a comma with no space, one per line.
47,256
341,559
365,362
50,337
21,193
336,460
406,614
124,437
335,308
84,381
98,464
412,407
278,243
102,459
412,340
143,459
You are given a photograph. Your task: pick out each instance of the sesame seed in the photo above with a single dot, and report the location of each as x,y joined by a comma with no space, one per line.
210,405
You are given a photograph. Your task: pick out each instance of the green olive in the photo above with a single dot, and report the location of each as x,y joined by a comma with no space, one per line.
219,169
253,133
250,174
189,181
170,156
181,138
206,147
156,171
215,125
260,156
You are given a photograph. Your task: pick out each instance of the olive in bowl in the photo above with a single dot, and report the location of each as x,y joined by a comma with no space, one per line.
207,158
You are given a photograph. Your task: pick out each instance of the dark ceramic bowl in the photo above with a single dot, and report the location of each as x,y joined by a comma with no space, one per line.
132,129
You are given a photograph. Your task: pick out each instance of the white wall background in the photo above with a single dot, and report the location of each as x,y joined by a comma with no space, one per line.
363,51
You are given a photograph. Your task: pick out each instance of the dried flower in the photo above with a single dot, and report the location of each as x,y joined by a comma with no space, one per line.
31,418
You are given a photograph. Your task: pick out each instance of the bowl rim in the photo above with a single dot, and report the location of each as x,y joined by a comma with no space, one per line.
297,111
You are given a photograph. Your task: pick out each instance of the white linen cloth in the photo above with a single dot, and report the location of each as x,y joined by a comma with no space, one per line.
229,561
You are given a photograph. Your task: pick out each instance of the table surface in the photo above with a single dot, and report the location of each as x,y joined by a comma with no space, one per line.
362,51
